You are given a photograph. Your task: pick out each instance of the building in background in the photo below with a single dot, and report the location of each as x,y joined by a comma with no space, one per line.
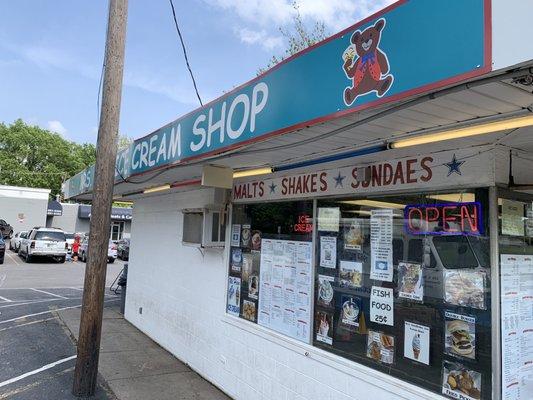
22,207
76,218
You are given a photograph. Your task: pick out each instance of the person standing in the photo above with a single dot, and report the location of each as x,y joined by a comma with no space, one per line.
75,248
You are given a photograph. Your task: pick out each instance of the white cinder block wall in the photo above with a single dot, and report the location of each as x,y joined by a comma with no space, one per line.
182,294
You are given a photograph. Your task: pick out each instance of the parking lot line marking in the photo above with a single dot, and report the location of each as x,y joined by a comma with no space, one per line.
27,323
48,293
47,312
36,371
13,259
36,302
6,300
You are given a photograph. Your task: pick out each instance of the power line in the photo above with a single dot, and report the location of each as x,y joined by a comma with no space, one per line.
185,53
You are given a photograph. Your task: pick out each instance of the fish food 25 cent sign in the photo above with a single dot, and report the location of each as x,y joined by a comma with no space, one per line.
406,49
382,305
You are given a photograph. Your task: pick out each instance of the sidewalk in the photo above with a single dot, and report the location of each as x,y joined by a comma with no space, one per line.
135,367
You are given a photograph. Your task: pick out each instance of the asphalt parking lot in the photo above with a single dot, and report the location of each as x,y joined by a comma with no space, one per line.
37,353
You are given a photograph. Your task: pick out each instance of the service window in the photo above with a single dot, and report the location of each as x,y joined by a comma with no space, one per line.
403,286
270,271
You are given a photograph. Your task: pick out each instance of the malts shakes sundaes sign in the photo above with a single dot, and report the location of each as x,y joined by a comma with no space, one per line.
449,169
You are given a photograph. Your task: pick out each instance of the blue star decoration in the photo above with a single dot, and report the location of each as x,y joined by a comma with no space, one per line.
272,188
338,180
454,166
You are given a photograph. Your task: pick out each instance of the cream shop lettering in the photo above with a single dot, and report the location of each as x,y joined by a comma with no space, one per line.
445,169
217,126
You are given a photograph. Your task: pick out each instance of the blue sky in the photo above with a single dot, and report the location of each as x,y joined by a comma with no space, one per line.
51,55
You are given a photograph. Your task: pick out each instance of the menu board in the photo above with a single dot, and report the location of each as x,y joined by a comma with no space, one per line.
381,228
517,326
286,287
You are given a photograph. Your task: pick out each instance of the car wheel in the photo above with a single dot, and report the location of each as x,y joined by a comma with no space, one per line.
111,260
62,259
83,257
27,258
2,260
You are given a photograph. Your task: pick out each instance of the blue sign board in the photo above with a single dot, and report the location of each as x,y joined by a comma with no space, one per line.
410,47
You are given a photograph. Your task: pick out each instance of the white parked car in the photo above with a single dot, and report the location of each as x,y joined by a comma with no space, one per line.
111,250
49,242
14,243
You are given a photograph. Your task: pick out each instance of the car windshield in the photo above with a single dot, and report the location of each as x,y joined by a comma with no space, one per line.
50,235
69,236
462,251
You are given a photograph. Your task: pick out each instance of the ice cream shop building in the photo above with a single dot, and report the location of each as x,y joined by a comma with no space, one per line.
355,223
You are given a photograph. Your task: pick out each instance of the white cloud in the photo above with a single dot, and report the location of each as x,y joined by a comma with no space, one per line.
250,36
272,14
57,126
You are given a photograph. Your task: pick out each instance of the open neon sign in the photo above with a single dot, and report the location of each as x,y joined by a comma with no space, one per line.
444,219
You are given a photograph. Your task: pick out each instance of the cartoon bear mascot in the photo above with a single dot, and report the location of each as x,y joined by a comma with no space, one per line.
370,70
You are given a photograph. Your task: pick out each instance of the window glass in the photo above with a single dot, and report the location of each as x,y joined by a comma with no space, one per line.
403,286
270,271
50,235
215,226
193,223
516,279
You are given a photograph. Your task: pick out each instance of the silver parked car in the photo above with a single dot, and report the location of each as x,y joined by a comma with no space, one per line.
111,250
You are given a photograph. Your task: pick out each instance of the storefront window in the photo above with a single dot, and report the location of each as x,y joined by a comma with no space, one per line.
516,275
270,273
399,283
403,286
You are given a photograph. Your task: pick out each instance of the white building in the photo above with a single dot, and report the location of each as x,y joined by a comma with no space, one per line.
376,241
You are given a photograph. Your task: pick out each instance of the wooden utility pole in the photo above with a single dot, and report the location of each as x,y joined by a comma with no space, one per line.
86,373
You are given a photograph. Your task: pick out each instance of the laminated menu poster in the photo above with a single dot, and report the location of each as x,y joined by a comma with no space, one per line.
236,235
351,274
325,290
460,382
381,231
246,236
380,347
416,342
350,312
329,219
324,327
328,251
234,295
353,234
410,282
286,287
512,218
460,335
236,259
516,280
465,287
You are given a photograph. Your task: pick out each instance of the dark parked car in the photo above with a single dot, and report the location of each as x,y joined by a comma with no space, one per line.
6,230
2,249
123,249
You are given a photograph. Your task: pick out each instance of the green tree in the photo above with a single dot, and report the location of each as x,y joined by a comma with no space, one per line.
34,157
124,141
298,38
